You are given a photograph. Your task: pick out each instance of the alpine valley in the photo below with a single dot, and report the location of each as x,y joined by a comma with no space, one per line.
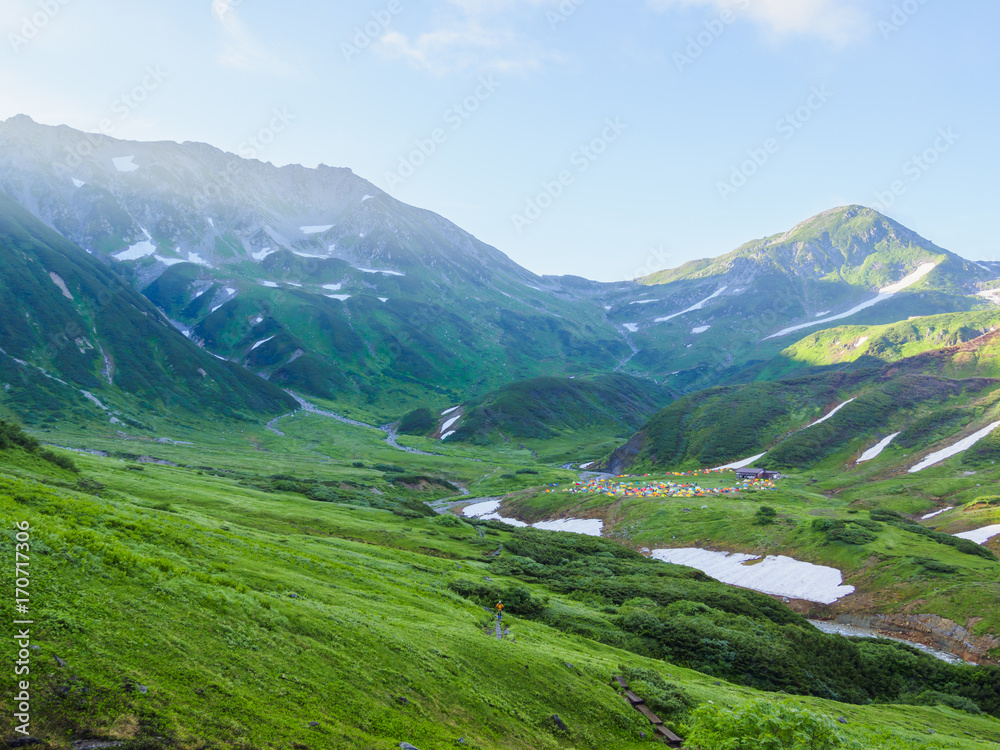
276,445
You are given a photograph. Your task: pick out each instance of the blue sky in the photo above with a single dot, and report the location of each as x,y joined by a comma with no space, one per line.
578,136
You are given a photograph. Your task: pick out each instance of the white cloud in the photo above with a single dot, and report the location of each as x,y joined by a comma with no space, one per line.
839,21
468,40
240,48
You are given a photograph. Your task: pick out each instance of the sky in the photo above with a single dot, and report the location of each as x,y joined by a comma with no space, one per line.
602,139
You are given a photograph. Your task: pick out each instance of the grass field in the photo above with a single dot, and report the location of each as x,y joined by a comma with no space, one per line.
205,605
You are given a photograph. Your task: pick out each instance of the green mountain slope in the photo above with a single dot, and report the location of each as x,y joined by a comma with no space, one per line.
181,609
542,408
715,315
939,336
927,397
381,306
73,335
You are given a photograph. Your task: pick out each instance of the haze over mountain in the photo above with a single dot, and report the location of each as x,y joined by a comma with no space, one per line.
320,282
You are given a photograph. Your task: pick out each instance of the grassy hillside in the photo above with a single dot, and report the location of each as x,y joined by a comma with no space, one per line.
545,408
890,343
69,324
928,397
188,607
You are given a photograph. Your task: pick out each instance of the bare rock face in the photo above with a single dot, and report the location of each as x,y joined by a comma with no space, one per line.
931,630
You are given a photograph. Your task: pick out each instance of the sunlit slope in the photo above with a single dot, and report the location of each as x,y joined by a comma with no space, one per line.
708,319
721,425
960,343
190,610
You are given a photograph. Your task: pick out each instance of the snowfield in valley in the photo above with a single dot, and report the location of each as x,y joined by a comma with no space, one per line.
775,574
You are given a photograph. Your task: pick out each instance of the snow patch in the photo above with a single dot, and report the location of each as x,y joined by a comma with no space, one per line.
450,422
588,526
57,280
775,574
938,513
196,258
91,397
139,250
835,410
230,290
367,198
587,465
644,301
78,183
209,220
449,411
125,163
861,342
962,445
488,511
261,254
695,306
876,449
316,229
821,314
700,329
980,536
383,299
379,270
448,434
333,287
269,284
261,342
993,295
884,293
740,464
633,327
168,261
341,297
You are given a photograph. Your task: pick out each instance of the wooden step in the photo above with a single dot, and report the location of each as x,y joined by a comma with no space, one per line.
672,739
644,710
618,681
633,698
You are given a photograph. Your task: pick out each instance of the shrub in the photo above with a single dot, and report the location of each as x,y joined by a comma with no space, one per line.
667,700
937,698
765,515
762,725
935,566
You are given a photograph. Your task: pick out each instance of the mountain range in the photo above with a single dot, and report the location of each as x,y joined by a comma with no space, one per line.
319,282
